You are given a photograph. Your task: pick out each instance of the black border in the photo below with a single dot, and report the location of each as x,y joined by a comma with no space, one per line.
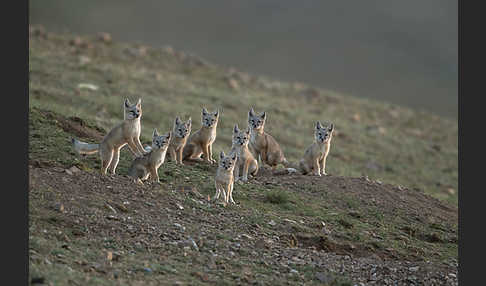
14,214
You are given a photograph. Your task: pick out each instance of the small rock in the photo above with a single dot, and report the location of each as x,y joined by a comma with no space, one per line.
84,60
289,220
233,84
110,208
109,256
87,86
323,277
193,243
76,41
203,276
272,222
169,50
104,37
246,236
413,269
452,275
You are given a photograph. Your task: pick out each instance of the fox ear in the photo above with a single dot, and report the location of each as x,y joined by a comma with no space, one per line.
318,125
251,112
177,120
263,115
248,130
331,128
189,121
233,157
235,129
216,113
169,134
155,134
139,102
204,111
127,102
221,155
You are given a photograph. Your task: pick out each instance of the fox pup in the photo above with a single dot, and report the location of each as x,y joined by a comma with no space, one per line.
314,159
201,141
263,144
180,133
125,133
246,162
224,178
148,165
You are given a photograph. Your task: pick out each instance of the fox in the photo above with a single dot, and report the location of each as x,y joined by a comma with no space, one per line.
125,133
148,165
246,162
262,144
224,178
180,131
314,159
201,142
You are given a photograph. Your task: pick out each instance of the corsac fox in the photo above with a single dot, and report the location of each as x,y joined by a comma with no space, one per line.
263,144
201,142
246,162
224,178
125,133
180,134
148,165
314,159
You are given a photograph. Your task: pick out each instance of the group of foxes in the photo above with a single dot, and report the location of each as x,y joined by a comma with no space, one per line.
248,145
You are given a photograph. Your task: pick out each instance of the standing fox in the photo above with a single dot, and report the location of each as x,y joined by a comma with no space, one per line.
263,144
126,132
224,178
180,133
148,165
201,141
314,159
245,163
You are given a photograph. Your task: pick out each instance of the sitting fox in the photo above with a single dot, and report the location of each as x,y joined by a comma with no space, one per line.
201,141
263,144
245,163
125,133
180,132
314,159
148,165
224,178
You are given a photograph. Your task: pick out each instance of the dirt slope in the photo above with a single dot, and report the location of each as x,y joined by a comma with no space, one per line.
85,229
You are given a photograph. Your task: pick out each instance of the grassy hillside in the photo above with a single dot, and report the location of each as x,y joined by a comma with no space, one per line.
286,229
383,141
387,212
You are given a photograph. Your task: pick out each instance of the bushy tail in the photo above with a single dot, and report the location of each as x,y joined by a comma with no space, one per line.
291,166
84,148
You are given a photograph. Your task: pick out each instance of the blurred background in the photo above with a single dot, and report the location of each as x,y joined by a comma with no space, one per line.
402,52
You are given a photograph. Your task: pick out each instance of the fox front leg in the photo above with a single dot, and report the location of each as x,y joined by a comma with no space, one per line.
206,154
154,174
173,155
236,171
246,165
179,155
323,166
317,171
210,152
139,146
